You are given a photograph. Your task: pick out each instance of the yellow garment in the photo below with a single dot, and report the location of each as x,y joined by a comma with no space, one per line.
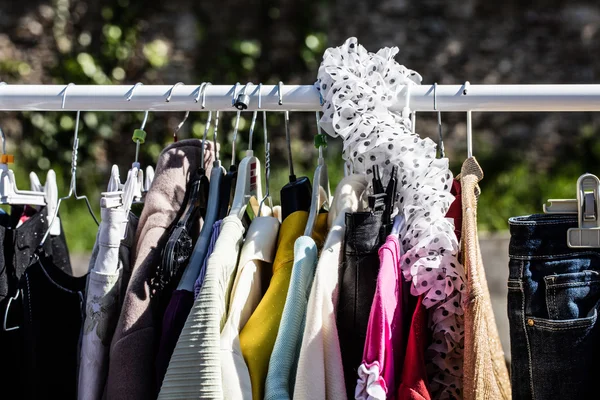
257,338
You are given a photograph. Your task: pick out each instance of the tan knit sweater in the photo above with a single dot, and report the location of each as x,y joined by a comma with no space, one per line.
485,372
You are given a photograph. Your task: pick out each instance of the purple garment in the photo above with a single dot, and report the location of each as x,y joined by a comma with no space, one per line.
173,321
211,246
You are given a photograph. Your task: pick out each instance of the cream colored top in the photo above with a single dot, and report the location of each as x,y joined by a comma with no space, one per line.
251,282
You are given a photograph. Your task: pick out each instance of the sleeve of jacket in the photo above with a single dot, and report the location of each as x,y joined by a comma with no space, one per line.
131,360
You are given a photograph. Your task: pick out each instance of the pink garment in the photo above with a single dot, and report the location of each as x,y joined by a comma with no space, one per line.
384,348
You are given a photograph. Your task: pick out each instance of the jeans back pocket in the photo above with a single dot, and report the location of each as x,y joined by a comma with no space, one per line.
572,295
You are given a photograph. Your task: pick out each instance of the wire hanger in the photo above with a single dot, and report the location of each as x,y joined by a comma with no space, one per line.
194,266
267,162
187,113
132,191
296,195
440,148
248,183
229,183
73,185
179,247
469,125
320,182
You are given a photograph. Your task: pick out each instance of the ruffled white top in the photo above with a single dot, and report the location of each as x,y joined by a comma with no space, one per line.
357,89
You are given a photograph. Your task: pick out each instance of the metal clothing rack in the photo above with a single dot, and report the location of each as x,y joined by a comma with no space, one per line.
180,97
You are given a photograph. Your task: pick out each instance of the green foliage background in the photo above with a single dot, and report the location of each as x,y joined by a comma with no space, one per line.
127,41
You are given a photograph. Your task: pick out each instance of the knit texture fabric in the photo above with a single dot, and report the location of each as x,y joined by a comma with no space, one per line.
284,359
485,372
195,368
258,336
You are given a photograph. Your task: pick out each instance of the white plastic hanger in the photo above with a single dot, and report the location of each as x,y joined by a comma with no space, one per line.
249,178
320,182
50,190
9,194
148,178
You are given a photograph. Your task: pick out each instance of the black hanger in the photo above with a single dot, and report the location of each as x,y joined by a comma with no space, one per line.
297,194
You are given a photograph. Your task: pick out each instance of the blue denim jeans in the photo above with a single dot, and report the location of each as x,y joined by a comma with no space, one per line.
553,297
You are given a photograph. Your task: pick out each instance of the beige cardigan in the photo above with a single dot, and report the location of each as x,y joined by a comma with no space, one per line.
131,372
485,372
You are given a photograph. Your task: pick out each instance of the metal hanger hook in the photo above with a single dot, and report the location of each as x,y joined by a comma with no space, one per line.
442,153
202,92
233,93
469,124
267,166
243,100
259,96
144,120
3,141
253,123
319,132
279,92
235,132
64,95
206,128
288,137
130,93
215,133
469,135
178,127
168,99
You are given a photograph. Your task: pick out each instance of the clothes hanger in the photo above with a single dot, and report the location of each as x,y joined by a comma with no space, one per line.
178,249
131,192
187,114
320,182
469,124
50,190
229,183
296,195
248,182
9,194
73,186
440,148
194,266
267,165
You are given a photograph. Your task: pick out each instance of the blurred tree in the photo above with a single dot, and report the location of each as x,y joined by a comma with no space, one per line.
526,157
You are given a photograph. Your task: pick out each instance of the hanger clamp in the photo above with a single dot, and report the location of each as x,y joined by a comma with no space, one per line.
587,233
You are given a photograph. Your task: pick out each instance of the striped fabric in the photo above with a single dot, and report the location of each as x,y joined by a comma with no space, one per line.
195,368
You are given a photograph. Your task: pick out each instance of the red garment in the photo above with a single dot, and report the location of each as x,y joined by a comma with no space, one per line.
414,382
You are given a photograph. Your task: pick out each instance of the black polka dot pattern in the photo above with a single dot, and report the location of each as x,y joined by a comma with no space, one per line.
358,89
